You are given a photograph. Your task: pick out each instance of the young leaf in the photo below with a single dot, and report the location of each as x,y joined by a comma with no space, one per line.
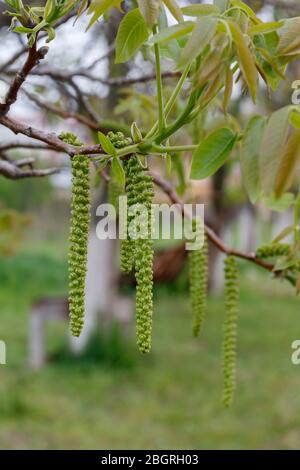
265,27
173,32
131,35
279,205
284,233
227,90
295,119
245,8
200,10
250,147
173,8
273,141
288,163
150,11
245,58
106,144
222,5
199,38
118,171
212,153
290,33
99,7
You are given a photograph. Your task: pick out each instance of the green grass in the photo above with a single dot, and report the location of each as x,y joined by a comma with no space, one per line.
114,399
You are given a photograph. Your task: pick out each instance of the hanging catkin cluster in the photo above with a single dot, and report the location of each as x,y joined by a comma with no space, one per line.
126,253
143,255
198,267
230,329
80,218
273,250
139,251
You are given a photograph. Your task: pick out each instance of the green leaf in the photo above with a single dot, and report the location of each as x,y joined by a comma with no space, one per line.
212,153
289,35
22,29
245,58
200,37
288,163
284,233
273,141
106,144
250,148
279,205
222,5
245,8
150,11
99,7
118,171
173,32
131,35
266,27
295,119
200,10
174,9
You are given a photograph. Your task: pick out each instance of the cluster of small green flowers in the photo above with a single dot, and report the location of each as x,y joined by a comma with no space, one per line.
131,166
143,255
119,140
230,328
273,250
139,251
79,229
198,268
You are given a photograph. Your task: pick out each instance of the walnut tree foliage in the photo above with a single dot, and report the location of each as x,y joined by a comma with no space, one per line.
212,48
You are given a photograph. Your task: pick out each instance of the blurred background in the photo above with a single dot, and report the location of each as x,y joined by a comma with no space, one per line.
98,392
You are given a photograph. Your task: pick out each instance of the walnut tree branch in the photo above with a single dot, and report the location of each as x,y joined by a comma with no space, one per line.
212,236
33,58
14,172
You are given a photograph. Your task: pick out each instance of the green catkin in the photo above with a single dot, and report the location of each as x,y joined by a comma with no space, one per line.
79,230
143,255
273,250
127,245
139,190
230,329
198,268
127,249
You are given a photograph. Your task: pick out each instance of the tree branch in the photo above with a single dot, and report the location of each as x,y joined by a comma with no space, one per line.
212,236
34,57
51,139
13,171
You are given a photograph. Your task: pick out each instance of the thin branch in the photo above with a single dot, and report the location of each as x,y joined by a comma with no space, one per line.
213,237
51,139
34,57
58,75
11,171
23,145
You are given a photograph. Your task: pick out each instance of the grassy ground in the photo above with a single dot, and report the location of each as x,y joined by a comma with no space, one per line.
112,398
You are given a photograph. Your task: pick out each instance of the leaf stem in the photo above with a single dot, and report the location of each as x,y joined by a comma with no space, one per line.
172,99
176,148
161,112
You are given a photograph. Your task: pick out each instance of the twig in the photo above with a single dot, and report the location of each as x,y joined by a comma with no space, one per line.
34,56
213,237
13,171
51,139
